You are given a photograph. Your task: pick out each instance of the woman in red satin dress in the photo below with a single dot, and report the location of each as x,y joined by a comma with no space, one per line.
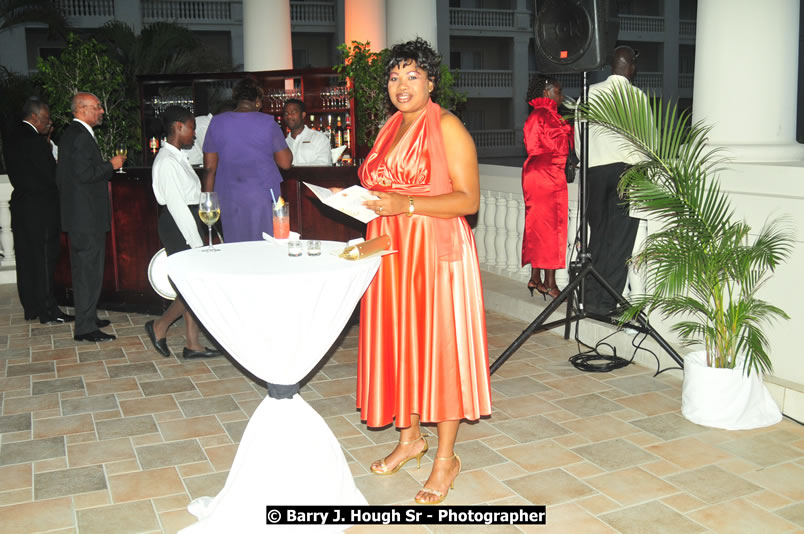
422,356
544,185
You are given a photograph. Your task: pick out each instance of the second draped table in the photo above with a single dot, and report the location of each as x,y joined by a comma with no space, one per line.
277,316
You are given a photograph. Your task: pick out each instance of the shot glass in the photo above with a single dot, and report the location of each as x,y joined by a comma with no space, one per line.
294,248
281,221
314,247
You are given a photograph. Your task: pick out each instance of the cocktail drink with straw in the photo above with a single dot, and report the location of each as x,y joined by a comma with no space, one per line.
281,211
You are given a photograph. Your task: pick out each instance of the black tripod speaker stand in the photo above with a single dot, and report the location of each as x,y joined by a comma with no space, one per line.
579,270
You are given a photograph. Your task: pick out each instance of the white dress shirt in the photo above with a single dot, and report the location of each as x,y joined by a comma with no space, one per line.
607,147
310,147
177,186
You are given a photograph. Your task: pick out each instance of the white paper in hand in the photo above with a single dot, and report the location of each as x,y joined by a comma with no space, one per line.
349,201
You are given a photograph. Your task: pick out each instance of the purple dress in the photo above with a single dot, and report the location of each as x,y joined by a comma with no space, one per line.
245,143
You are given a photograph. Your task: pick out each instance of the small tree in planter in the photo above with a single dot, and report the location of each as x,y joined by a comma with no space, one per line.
83,66
702,267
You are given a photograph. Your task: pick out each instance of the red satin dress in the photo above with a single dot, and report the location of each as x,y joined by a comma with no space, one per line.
422,346
544,185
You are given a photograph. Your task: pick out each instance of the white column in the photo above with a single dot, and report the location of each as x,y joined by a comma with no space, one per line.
746,66
402,25
266,35
364,21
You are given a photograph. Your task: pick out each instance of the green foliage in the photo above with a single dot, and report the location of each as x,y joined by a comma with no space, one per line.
84,67
366,70
448,97
160,48
702,267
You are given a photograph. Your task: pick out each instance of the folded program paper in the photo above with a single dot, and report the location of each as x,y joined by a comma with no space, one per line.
348,201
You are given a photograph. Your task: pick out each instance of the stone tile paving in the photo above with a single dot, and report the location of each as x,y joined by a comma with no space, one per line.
116,438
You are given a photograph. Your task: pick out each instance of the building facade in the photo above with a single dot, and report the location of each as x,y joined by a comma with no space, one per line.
489,43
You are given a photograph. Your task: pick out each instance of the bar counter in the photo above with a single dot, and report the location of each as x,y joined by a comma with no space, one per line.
133,239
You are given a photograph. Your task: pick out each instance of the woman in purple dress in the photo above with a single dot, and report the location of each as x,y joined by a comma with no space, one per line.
241,152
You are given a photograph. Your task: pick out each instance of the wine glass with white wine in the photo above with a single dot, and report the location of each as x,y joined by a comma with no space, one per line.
209,209
121,151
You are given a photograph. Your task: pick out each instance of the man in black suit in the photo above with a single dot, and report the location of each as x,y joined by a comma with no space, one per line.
83,176
35,212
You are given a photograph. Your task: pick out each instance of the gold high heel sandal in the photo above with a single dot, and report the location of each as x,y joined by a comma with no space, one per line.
379,467
441,496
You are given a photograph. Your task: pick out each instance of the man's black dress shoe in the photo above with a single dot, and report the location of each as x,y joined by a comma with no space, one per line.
102,323
60,318
188,354
94,337
159,344
31,317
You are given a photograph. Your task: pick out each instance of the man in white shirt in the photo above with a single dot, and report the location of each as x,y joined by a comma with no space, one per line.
309,147
612,231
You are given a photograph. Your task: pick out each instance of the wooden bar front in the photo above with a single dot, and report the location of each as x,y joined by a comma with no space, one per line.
133,239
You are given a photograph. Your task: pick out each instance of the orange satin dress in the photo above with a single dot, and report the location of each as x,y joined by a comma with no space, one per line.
422,346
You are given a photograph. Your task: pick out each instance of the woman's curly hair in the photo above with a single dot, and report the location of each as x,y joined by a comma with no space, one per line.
247,90
425,57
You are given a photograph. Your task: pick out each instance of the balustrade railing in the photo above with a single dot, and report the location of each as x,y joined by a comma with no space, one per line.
687,29
312,12
187,10
6,237
481,18
483,79
87,8
685,80
641,23
649,80
501,222
494,138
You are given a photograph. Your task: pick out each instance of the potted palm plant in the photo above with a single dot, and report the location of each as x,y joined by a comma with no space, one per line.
704,267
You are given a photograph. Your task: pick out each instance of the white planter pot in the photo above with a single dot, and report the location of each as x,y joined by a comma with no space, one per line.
725,398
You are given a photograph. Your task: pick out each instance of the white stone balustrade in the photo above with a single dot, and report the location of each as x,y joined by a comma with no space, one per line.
6,238
483,79
481,18
87,8
501,222
641,24
494,138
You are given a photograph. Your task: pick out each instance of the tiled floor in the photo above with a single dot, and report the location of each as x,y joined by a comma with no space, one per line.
114,438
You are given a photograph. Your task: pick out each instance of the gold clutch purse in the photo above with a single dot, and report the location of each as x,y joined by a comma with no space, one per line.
366,248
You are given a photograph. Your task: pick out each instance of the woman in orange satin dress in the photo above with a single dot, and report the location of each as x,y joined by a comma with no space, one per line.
422,355
544,186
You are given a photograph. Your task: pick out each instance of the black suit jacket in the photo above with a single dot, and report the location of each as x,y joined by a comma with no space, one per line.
82,176
31,170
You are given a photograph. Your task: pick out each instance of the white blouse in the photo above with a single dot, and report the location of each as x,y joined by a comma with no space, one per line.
177,186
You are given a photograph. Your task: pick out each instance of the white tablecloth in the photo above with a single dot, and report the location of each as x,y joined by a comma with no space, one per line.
277,316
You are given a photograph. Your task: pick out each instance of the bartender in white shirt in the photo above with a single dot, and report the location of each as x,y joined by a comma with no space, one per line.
177,187
309,147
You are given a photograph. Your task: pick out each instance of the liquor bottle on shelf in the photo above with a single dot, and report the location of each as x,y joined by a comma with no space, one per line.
321,124
329,132
347,136
153,144
312,122
338,132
